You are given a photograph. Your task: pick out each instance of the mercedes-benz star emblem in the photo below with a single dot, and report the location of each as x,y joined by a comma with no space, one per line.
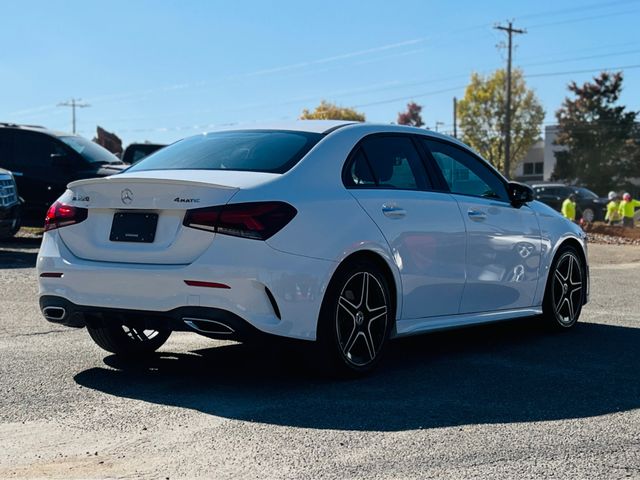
126,196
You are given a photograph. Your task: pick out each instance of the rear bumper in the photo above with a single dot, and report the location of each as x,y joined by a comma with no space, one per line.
251,269
211,322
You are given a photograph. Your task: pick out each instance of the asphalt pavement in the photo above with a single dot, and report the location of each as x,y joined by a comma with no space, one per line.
510,400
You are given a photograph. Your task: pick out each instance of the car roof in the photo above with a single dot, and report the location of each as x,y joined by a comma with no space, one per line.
35,128
329,126
309,126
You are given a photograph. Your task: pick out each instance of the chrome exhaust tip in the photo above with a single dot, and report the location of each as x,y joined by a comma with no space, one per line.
206,325
54,313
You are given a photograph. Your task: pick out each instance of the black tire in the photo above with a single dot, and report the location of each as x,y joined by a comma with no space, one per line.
565,290
128,341
12,233
355,320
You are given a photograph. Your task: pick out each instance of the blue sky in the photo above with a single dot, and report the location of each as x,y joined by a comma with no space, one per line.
163,70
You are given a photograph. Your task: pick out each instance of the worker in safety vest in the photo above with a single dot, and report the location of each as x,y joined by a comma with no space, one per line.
569,207
613,209
627,209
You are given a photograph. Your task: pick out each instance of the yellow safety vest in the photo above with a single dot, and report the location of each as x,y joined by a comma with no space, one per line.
613,211
569,209
628,208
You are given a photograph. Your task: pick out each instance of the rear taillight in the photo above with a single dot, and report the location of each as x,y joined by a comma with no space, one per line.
60,215
259,220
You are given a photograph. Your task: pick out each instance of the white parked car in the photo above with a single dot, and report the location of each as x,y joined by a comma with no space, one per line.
342,234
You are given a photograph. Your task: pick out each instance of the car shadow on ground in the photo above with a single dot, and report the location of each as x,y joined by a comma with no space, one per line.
510,372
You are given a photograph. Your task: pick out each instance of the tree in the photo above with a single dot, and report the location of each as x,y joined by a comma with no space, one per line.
412,116
331,111
600,138
482,114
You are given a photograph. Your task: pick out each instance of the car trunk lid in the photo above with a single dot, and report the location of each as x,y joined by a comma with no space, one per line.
137,217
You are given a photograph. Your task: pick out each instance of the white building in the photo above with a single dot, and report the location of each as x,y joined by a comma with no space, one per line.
540,160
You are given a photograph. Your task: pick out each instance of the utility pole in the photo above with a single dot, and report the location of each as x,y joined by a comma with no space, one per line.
73,103
439,124
455,117
507,124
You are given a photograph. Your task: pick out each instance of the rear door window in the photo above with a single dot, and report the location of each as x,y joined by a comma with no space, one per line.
33,151
387,162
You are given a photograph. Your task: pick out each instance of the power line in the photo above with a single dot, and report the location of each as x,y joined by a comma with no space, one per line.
590,70
73,103
576,59
581,8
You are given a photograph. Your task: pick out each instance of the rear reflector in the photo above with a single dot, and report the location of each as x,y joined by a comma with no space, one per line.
60,215
51,275
256,220
197,283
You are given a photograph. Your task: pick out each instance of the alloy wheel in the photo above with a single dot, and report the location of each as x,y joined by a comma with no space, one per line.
588,215
567,289
361,319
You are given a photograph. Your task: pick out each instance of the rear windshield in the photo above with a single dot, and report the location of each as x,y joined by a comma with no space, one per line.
249,150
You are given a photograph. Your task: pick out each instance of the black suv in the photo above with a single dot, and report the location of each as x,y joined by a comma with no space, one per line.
137,151
590,206
43,162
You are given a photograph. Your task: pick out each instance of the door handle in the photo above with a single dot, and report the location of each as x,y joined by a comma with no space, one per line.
477,215
393,211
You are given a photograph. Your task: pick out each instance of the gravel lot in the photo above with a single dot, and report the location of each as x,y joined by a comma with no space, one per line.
504,401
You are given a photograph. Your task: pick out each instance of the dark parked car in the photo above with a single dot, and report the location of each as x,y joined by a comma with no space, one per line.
137,151
590,206
9,205
43,162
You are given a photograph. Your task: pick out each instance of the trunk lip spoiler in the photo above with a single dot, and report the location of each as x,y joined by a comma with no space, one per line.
129,180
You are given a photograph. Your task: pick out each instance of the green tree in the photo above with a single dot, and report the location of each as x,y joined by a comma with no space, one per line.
482,114
600,137
331,111
412,116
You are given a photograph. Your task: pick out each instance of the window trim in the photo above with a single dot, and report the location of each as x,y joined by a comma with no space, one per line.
485,164
427,176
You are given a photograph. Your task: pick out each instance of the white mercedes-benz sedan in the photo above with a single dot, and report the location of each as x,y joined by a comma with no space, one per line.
344,235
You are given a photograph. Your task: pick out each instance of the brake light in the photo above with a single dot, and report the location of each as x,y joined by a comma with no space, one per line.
256,220
61,215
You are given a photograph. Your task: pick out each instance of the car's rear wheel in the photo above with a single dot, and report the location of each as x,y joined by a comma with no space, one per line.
565,291
128,341
355,319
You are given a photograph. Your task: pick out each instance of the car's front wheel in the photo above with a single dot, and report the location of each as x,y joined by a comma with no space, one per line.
565,291
355,320
128,341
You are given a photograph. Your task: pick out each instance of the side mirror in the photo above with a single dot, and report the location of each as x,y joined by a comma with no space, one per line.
519,194
60,160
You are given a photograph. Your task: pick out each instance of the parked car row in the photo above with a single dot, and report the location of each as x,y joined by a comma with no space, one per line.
43,162
591,207
9,205
137,151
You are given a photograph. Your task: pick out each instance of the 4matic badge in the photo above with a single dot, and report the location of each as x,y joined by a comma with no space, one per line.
186,200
